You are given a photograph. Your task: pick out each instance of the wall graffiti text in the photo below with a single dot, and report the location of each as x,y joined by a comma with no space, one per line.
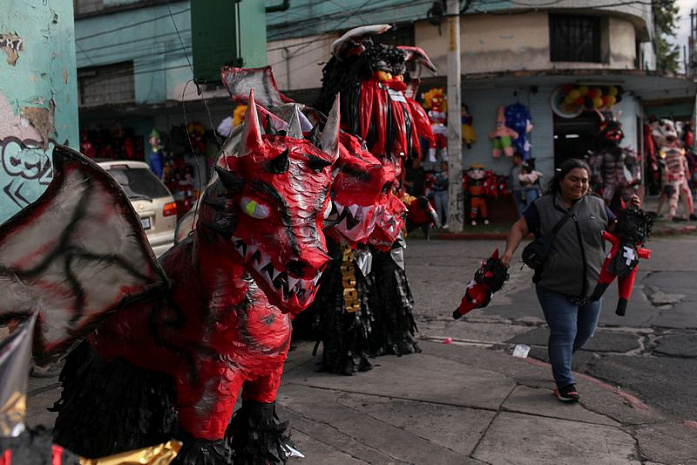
11,44
26,168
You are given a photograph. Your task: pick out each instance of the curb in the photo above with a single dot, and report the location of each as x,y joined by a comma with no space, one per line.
470,236
675,231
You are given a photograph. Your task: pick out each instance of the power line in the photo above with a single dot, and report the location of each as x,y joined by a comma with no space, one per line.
290,28
128,26
133,41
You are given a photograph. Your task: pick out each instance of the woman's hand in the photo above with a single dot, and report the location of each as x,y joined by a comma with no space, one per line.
506,259
634,201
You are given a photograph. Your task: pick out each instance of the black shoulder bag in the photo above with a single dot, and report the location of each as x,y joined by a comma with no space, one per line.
535,253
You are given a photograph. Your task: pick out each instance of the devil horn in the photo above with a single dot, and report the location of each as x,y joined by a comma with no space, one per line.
330,136
230,180
419,55
280,164
294,129
270,129
495,255
314,135
251,136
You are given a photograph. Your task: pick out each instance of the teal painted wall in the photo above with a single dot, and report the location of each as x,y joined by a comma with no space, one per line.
38,96
146,36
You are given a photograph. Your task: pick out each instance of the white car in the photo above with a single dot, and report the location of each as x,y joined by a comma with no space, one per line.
150,198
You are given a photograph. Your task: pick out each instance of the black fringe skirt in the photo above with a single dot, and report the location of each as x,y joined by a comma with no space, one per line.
343,333
391,302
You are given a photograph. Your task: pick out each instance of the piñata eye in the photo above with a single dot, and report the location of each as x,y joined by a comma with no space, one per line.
328,210
254,208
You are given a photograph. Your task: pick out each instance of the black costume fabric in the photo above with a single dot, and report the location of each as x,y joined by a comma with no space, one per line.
34,447
92,428
391,302
146,416
344,335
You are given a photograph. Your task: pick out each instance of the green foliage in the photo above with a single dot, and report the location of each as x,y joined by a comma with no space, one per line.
666,18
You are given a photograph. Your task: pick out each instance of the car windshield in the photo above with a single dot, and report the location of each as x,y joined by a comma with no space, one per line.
139,183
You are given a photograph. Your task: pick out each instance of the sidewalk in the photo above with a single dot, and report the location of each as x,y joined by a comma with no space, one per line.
456,404
661,227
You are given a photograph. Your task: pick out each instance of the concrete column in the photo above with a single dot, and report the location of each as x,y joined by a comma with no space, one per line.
38,96
455,194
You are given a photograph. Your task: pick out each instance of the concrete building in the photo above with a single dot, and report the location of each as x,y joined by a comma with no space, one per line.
512,52
38,96
531,53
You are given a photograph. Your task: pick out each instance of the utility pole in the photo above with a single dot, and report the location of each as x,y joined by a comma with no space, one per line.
455,194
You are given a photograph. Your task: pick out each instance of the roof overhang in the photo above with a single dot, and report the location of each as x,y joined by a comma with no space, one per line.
646,85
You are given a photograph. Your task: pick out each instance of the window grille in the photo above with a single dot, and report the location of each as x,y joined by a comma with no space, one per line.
574,38
104,85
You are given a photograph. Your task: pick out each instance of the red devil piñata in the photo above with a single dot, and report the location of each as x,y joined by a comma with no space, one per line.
182,340
631,231
489,278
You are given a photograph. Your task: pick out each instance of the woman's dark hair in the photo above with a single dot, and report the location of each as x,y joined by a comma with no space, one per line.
559,174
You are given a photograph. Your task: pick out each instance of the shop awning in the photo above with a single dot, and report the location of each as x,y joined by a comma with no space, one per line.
647,85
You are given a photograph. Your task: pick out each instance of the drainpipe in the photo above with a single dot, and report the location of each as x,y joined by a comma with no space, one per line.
282,7
285,53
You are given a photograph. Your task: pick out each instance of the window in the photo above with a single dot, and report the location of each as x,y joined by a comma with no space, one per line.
87,6
103,85
93,7
574,38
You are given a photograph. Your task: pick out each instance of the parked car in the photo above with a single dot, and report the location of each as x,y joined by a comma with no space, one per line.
151,200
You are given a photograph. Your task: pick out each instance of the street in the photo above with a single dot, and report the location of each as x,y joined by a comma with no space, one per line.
650,352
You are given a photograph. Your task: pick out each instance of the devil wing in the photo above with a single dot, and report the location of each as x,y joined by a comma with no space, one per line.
75,255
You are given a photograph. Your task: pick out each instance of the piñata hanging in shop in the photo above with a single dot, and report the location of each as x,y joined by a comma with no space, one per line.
674,175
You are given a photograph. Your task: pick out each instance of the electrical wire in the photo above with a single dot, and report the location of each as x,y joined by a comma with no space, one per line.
128,26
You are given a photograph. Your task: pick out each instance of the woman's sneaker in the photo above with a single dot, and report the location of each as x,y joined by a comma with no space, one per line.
567,394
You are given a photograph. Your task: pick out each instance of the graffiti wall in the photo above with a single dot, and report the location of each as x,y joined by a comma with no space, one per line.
38,96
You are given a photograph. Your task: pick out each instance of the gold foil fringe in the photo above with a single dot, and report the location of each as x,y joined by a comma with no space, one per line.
12,413
349,281
162,454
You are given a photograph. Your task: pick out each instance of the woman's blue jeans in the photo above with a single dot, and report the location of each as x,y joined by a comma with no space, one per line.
570,327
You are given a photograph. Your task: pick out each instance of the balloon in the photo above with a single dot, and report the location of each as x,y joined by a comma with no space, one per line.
606,101
569,99
594,93
611,100
597,102
566,88
580,101
583,90
612,91
574,94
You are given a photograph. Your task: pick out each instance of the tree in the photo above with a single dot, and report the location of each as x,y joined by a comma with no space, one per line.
665,14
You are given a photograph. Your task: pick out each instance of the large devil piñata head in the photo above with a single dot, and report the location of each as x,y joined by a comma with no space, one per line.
609,129
360,191
372,79
665,134
267,207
